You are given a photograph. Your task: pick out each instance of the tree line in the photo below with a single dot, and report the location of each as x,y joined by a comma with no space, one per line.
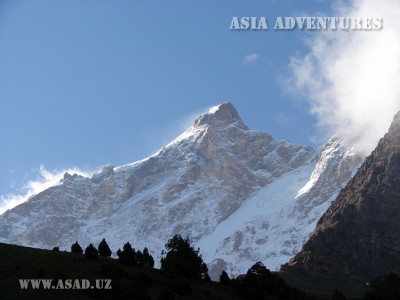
182,260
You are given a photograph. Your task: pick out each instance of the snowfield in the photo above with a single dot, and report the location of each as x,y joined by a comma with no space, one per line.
240,195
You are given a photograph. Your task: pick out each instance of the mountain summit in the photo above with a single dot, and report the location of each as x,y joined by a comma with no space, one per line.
221,116
358,237
239,194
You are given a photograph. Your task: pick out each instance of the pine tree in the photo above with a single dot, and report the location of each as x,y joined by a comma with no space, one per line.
76,248
128,255
139,259
148,260
224,278
103,249
259,277
183,260
91,252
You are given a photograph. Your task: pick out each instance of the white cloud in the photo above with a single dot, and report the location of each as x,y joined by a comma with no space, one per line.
250,58
32,187
350,78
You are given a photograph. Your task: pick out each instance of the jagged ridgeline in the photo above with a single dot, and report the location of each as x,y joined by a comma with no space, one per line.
358,237
239,194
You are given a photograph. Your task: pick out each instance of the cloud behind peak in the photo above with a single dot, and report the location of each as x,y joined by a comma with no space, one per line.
350,78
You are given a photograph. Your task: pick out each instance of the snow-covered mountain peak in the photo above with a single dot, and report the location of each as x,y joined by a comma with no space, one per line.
221,126
221,116
234,191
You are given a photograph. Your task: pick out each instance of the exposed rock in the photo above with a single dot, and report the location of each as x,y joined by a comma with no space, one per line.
358,237
239,194
66,176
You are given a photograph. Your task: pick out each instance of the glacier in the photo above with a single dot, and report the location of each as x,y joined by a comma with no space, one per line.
238,194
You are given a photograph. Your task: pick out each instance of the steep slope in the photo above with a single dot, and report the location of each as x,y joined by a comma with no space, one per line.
218,172
274,222
358,237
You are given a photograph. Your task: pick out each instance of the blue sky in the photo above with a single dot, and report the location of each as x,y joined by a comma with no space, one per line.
88,83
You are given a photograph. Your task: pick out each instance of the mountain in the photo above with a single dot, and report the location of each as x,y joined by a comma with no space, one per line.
239,194
358,238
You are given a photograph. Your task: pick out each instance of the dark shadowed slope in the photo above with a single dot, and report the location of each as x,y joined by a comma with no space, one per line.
358,237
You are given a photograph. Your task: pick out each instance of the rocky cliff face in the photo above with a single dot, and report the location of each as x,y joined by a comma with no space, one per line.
237,193
358,237
276,220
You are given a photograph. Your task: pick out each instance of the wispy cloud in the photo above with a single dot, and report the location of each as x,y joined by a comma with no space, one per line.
250,58
46,179
281,119
350,78
173,129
